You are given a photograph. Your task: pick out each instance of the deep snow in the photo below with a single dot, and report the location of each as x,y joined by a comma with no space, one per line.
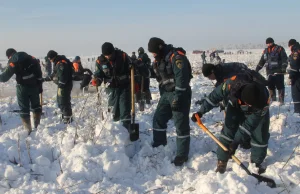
102,160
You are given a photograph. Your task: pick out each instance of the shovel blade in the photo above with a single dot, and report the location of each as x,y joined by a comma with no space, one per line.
134,131
270,182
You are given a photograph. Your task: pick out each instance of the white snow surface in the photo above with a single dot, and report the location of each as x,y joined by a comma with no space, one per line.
101,159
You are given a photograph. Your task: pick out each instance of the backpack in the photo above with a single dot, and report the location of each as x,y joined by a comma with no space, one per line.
257,77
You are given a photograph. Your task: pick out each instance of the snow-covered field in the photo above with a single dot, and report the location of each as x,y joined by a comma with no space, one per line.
100,158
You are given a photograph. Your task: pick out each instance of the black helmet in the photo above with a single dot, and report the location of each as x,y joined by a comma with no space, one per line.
141,50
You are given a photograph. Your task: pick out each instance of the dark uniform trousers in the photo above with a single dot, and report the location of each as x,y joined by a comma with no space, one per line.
296,94
232,129
119,99
28,98
164,113
64,101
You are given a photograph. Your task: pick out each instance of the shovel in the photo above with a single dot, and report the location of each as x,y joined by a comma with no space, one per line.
270,182
133,127
142,103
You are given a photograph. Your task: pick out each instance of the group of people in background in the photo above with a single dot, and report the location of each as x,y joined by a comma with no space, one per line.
244,94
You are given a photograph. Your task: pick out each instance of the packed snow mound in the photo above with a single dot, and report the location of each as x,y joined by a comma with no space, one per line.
92,155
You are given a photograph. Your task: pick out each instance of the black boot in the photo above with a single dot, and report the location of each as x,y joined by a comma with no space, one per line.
27,124
179,160
221,166
156,144
36,119
273,94
148,97
281,96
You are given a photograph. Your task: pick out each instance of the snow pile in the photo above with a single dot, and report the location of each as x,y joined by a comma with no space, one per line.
95,156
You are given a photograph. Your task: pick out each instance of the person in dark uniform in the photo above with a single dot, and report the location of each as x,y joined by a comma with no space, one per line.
248,109
294,73
62,76
29,79
143,57
173,72
275,58
113,68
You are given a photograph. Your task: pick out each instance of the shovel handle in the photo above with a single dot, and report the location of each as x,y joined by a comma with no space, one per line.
41,99
132,90
200,124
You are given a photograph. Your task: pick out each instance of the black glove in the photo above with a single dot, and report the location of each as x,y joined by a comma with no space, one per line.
257,69
222,106
283,68
134,63
193,118
47,79
232,148
199,102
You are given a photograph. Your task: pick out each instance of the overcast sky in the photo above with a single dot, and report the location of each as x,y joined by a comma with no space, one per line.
74,27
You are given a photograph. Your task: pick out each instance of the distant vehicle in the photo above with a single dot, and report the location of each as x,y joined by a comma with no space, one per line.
219,51
197,51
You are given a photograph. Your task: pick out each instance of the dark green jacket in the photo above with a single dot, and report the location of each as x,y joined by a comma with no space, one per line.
63,70
174,71
294,58
232,89
275,59
116,70
27,69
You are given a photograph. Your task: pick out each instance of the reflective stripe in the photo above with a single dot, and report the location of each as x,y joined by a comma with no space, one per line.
290,69
28,76
167,81
125,120
184,136
67,117
159,129
22,113
245,130
180,89
149,73
210,102
122,77
260,146
225,137
61,82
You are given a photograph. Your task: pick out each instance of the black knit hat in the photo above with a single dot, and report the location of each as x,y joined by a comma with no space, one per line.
292,42
77,58
107,48
155,45
51,54
141,50
207,69
269,40
255,95
10,52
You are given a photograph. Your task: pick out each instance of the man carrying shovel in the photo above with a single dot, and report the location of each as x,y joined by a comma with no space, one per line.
248,109
117,71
